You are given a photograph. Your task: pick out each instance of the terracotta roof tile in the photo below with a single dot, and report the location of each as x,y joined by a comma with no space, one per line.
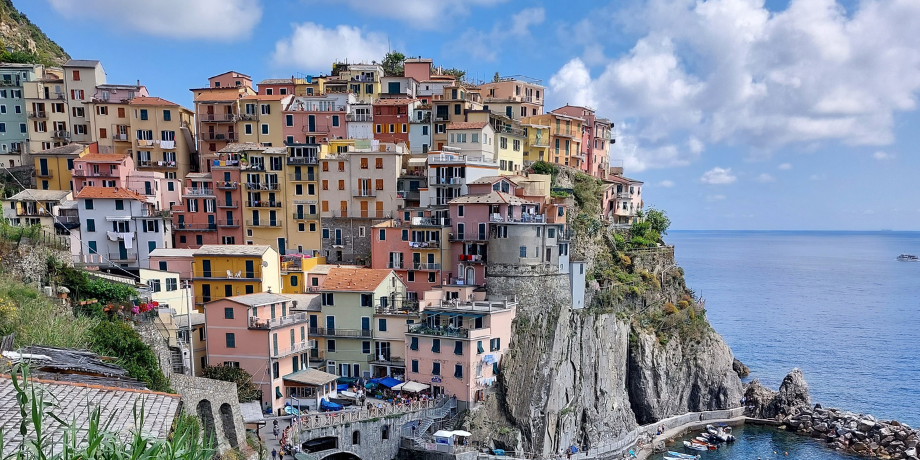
146,100
103,157
395,101
468,125
265,97
110,193
354,279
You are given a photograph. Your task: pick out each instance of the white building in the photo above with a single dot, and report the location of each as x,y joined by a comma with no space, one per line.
119,228
420,129
474,139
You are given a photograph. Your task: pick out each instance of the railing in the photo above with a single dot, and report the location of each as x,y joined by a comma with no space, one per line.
38,114
156,164
228,204
391,360
266,323
404,307
363,192
194,227
475,236
430,244
425,119
254,274
471,258
313,421
249,117
426,222
226,185
46,174
360,214
301,160
100,173
456,158
624,195
263,223
263,186
411,195
460,332
395,265
296,348
228,136
120,137
196,191
305,216
447,180
317,355
427,267
218,117
359,117
127,257
302,177
228,223
337,332
483,306
524,219
263,204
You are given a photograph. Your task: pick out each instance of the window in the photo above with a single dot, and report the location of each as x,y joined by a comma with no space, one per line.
247,128
382,324
415,366
76,75
458,371
228,313
289,120
266,109
405,128
366,347
231,340
392,128
424,130
268,91
335,120
479,349
383,235
405,234
172,284
458,347
330,346
367,300
119,205
503,142
276,370
435,368
495,344
341,184
328,299
264,128
457,109
167,115
436,345
378,184
154,285
143,114
523,252
364,163
88,204
413,344
378,129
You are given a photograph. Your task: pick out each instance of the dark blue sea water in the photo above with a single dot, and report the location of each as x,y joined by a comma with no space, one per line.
835,304
765,444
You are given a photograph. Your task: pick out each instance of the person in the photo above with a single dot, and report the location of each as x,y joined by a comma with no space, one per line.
274,454
701,416
275,431
281,455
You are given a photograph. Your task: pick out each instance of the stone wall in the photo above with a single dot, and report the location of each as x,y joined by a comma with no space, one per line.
29,260
371,444
11,178
355,248
215,404
653,260
152,337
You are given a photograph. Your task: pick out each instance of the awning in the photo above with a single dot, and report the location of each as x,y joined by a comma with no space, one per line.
313,377
443,434
412,387
389,382
418,161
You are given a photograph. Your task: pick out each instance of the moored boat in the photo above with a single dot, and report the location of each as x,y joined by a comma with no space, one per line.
683,456
695,445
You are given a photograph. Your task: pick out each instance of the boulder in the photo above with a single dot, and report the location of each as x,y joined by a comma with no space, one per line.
740,368
866,425
860,447
822,427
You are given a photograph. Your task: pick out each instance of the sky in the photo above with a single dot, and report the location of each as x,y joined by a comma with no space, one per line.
737,114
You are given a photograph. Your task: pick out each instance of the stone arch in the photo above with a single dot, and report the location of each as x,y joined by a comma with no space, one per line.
226,419
206,415
342,456
320,444
355,437
385,432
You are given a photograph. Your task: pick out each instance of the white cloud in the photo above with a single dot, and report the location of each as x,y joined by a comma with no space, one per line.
666,183
765,178
715,197
422,14
785,166
882,156
221,20
718,176
730,71
480,44
314,47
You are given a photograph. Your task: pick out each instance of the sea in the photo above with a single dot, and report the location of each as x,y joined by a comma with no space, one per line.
837,305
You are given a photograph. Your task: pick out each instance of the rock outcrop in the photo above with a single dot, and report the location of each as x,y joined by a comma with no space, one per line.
791,399
740,368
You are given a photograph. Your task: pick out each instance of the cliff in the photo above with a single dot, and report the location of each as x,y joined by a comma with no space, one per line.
640,352
28,42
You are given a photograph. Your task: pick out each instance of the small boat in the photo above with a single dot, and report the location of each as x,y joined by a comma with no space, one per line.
702,439
683,456
695,445
673,458
908,258
722,433
707,445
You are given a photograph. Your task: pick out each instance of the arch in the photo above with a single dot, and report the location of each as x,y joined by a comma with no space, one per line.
320,444
355,437
226,419
206,415
342,456
385,432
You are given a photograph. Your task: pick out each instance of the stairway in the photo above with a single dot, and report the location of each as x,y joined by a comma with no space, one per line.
431,416
175,358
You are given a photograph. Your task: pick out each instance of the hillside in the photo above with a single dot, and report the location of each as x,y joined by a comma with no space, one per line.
28,42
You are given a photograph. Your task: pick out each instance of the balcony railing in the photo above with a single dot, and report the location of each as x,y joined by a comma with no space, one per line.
120,137
428,267
61,135
395,265
364,192
624,195
226,185
38,114
127,257
194,227
387,359
254,274
447,181
157,164
471,258
228,136
305,216
263,204
302,177
266,323
360,214
263,223
263,185
472,236
440,331
228,204
296,348
524,219
336,332
430,244
197,191
301,160
218,117
249,117
359,117
100,173
45,174
231,223
457,158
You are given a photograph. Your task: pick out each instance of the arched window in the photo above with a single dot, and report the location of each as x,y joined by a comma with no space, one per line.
356,437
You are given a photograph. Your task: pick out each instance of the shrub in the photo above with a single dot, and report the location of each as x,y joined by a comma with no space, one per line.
658,221
669,309
119,340
246,390
691,313
683,304
625,260
646,276
40,320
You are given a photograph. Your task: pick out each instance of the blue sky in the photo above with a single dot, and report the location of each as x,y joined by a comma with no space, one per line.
737,114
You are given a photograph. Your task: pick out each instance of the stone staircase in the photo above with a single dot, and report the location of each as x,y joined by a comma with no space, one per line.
431,416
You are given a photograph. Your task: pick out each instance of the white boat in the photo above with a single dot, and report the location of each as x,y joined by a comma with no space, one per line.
908,258
683,456
695,445
723,433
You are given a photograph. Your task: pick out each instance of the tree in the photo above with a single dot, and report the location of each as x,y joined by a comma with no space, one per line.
393,64
245,390
658,220
496,78
459,74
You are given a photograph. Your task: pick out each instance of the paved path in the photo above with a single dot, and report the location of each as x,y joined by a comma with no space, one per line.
675,432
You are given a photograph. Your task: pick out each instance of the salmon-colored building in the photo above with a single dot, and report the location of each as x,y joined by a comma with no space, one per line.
417,249
101,170
261,333
317,118
217,111
391,119
596,138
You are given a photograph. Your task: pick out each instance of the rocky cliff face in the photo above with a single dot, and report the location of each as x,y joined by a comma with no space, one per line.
18,33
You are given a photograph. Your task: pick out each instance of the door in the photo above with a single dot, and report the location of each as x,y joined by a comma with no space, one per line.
43,166
379,209
344,370
365,323
363,208
211,224
281,246
314,322
255,218
356,370
206,293
393,87
299,214
273,218
206,268
337,241
228,198
482,231
250,269
416,260
122,251
330,325
383,351
311,123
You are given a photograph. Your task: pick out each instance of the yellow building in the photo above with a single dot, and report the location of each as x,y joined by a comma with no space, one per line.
454,106
47,108
220,271
564,137
162,134
302,197
304,87
53,166
264,209
536,145
363,80
261,119
294,269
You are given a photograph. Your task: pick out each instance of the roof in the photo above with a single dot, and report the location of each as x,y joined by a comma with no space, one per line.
306,302
232,71
313,377
147,100
265,97
110,193
252,412
198,176
468,125
276,81
324,269
491,180
240,147
259,298
634,181
232,250
491,198
162,252
117,407
69,149
103,157
354,279
39,195
81,63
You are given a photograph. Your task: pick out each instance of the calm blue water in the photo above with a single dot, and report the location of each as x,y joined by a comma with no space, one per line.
835,304
761,443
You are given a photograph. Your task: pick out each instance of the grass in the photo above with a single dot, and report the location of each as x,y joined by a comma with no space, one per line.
39,320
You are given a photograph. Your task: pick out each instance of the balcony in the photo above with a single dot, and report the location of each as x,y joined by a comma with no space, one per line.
359,117
302,177
201,274
301,160
266,323
336,332
427,222
425,119
38,115
225,137
263,186
157,164
249,117
45,174
412,195
430,244
296,348
360,214
62,135
226,185
197,191
524,219
624,195
126,257
440,331
426,267
317,355
231,223
194,227
471,258
364,193
263,223
100,173
395,265
467,237
305,216
218,117
263,204
228,204
387,360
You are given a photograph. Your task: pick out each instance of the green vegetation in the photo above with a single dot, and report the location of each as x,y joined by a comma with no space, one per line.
21,35
246,390
39,320
393,64
98,439
116,338
459,74
85,287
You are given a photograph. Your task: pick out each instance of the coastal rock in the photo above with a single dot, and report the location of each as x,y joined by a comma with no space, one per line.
740,368
866,425
791,399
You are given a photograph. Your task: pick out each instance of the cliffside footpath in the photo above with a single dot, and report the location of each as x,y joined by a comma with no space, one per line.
641,350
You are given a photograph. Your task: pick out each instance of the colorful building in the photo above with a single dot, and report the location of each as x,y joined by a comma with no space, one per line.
317,119
514,97
565,137
46,103
14,131
261,119
221,271
217,111
163,134
596,139
391,119
53,166
302,198
47,208
81,77
416,248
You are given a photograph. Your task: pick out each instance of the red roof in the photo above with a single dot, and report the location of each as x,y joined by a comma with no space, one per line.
144,100
354,279
103,157
468,125
114,193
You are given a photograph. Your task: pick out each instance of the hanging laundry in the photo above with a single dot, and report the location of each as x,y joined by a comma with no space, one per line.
129,240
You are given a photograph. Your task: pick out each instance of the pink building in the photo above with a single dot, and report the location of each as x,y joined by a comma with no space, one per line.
173,260
209,211
101,170
417,249
276,86
622,200
316,119
457,347
230,79
596,138
262,334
